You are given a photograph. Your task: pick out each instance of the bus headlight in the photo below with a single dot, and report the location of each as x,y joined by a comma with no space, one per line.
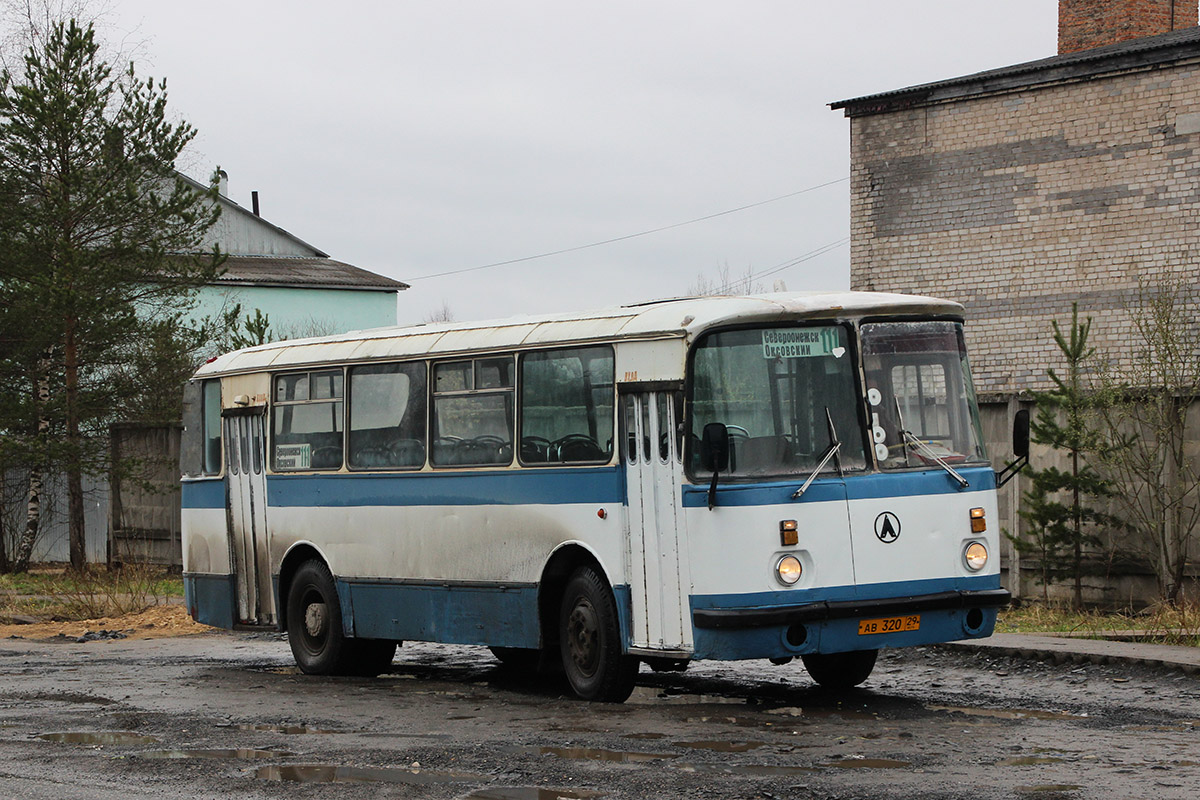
788,570
975,556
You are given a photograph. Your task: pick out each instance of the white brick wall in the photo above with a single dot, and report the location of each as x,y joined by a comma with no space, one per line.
1018,204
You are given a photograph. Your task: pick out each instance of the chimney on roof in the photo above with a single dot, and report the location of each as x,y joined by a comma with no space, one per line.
1084,24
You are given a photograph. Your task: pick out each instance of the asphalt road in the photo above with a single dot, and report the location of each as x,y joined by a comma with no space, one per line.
226,715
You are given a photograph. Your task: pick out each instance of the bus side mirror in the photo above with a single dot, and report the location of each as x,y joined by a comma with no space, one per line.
714,447
1021,433
1020,448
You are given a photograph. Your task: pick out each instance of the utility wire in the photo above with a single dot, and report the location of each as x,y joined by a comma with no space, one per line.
791,262
627,236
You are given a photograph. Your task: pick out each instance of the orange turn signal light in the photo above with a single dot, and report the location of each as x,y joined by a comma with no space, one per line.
978,523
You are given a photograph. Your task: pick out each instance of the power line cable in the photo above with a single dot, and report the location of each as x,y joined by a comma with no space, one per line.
627,236
791,262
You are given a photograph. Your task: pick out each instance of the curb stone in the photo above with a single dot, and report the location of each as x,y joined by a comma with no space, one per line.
1062,650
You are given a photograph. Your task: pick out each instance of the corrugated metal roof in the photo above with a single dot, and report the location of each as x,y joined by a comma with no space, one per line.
1134,53
228,202
311,273
679,319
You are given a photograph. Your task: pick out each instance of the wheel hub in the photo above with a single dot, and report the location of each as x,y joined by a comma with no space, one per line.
583,637
315,619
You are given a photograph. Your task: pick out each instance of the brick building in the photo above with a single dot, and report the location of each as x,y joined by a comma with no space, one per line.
1019,190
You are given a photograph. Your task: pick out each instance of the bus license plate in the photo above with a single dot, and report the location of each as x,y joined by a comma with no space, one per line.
889,625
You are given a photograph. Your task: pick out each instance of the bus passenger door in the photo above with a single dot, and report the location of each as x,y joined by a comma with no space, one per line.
246,488
654,475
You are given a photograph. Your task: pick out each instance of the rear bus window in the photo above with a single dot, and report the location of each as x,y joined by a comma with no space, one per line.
211,403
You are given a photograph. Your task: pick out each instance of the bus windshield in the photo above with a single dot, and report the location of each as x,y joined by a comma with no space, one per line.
918,381
784,394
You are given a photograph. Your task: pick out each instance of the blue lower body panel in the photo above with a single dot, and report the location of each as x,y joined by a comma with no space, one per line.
500,616
211,599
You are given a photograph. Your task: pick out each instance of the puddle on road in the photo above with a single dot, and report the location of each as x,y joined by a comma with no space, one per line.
821,713
1003,713
331,773
1046,788
722,747
867,763
645,735
649,695
100,738
532,793
1029,761
755,770
286,729
240,753
596,754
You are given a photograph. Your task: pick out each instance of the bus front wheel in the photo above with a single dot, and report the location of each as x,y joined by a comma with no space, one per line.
314,620
590,640
840,670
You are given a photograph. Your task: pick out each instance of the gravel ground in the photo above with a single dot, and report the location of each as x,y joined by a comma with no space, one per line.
227,714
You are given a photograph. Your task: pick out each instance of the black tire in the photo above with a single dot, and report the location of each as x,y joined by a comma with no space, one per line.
518,659
371,657
590,640
314,620
840,671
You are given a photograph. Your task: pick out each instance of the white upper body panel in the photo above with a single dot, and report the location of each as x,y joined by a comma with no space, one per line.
669,319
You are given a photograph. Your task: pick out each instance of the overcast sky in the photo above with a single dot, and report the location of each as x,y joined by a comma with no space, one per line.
415,138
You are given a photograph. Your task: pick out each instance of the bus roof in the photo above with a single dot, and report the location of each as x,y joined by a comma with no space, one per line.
666,319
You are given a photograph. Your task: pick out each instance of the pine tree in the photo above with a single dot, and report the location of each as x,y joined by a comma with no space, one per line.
1059,506
99,238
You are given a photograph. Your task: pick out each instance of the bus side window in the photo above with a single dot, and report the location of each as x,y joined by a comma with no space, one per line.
567,406
387,416
308,421
473,413
211,412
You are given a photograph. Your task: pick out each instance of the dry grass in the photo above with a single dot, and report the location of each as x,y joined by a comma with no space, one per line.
96,593
1163,624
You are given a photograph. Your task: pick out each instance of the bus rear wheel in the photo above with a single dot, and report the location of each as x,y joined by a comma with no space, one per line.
518,659
590,640
840,670
314,622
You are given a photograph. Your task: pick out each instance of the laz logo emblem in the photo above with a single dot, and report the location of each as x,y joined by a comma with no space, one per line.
887,527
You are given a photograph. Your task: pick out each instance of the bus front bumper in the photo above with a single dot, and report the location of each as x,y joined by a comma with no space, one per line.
826,610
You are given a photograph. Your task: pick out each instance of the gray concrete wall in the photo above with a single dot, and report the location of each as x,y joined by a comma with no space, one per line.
1118,575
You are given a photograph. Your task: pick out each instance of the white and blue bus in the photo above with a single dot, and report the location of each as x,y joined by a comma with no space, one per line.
774,476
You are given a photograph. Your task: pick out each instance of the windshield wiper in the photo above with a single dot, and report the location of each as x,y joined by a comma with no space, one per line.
910,439
830,452
920,446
